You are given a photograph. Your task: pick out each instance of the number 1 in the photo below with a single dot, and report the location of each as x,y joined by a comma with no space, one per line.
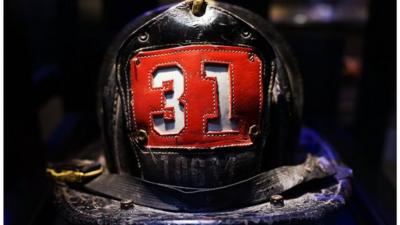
224,123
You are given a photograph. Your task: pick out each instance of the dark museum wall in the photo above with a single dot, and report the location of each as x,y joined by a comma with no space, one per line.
346,51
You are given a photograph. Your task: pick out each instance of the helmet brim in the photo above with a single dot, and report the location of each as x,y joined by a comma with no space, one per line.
309,202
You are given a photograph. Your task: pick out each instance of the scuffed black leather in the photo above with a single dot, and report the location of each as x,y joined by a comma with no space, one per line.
176,26
248,192
309,203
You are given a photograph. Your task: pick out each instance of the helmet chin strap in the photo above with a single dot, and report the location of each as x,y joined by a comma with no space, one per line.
253,190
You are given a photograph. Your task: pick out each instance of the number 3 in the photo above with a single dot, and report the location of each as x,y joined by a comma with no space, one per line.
170,127
223,124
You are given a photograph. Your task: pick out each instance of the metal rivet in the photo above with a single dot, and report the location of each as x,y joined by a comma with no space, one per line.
137,61
141,136
199,7
127,204
246,34
277,201
143,37
254,131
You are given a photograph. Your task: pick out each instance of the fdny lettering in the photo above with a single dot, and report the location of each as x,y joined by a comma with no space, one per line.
200,96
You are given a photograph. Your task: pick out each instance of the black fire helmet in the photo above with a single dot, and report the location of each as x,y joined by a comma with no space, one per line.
200,106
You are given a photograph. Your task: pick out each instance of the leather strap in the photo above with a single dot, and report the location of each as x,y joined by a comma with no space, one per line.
244,193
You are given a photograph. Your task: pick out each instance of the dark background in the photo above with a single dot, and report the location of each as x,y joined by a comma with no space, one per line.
346,51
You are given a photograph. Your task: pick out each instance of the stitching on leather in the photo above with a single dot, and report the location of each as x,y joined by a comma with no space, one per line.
125,85
114,125
204,77
185,91
205,120
206,148
129,113
272,82
133,109
260,84
194,50
114,111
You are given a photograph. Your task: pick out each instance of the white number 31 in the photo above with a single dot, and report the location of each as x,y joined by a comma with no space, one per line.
223,124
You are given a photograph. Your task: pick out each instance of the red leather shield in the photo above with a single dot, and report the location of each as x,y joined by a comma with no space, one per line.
197,97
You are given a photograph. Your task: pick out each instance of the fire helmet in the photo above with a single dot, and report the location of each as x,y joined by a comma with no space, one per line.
199,100
200,106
